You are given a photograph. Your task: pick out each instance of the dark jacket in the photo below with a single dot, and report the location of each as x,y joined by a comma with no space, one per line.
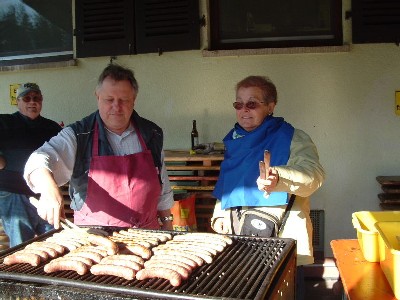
19,137
84,129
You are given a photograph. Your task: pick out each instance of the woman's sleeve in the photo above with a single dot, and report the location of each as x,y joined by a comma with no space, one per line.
303,174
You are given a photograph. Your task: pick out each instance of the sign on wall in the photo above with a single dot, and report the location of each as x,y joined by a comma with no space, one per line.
13,93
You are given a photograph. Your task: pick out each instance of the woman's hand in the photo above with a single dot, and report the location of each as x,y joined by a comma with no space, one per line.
269,177
220,225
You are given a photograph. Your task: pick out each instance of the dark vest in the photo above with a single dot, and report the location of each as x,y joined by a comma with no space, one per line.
84,129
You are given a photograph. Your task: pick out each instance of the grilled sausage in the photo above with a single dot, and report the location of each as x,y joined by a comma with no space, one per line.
66,265
140,250
163,236
122,262
174,278
127,241
21,258
50,251
120,271
94,256
156,264
154,259
199,248
198,261
207,245
210,237
57,247
128,257
99,250
70,245
176,256
43,255
112,247
85,260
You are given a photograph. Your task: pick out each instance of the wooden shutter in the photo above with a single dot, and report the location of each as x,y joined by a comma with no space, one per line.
164,25
376,21
104,27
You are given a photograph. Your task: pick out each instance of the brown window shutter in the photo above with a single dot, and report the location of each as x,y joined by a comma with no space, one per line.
375,21
104,27
164,25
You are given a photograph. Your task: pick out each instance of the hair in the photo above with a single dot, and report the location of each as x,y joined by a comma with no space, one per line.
118,73
267,87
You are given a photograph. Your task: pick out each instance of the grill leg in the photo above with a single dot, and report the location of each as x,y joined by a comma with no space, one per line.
300,284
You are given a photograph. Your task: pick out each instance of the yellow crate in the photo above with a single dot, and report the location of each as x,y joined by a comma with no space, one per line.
389,253
367,235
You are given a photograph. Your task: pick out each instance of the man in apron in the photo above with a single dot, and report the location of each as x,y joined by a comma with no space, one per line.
113,160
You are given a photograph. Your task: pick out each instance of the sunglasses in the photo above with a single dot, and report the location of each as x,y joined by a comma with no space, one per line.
248,105
27,99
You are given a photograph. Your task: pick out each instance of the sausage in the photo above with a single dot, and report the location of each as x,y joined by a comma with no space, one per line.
202,236
198,261
94,256
66,265
112,247
125,241
120,271
70,245
57,247
199,248
122,262
128,257
22,258
99,250
140,250
43,255
214,246
175,262
157,264
85,260
174,278
163,236
50,251
178,257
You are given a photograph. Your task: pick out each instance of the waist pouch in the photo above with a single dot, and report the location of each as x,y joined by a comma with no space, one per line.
258,223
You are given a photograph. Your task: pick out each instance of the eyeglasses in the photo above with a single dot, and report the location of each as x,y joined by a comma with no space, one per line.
248,105
27,99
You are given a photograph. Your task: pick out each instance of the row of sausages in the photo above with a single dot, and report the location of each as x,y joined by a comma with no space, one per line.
128,254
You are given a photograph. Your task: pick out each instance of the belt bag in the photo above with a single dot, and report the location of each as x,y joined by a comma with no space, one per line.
258,223
261,223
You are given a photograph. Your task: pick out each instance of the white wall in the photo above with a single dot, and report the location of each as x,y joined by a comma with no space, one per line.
345,101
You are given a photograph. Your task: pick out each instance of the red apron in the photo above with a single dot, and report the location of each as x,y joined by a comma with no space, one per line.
122,191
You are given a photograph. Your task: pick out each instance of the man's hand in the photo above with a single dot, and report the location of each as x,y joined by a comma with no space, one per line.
269,177
51,204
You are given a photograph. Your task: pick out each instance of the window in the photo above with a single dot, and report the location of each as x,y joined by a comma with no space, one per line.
35,31
239,24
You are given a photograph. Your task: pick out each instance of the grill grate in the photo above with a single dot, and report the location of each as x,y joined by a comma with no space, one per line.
244,270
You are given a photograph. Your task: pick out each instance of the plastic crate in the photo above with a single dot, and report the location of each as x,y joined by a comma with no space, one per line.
389,253
367,235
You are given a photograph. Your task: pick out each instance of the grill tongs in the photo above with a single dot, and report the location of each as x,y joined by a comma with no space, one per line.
65,223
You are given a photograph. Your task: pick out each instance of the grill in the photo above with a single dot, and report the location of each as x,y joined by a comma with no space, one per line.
250,268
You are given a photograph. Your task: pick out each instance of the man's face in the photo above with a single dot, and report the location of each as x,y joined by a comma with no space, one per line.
115,100
30,105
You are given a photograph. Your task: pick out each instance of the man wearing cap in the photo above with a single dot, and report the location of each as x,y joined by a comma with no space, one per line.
20,134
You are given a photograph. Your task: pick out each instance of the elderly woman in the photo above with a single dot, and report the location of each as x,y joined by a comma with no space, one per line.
253,191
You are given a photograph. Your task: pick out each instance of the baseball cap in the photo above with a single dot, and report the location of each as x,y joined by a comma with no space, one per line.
25,88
